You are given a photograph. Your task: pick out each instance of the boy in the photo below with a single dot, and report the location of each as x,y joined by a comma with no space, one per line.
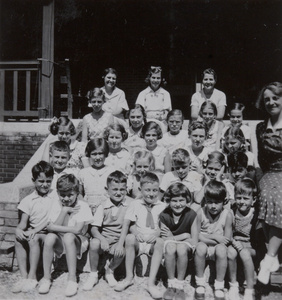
106,230
68,224
215,227
59,157
144,214
244,241
30,233
180,164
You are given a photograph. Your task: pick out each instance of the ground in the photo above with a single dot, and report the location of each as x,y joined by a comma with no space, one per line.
102,291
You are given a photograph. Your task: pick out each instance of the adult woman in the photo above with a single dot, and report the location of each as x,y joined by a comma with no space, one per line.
98,120
115,102
269,137
208,92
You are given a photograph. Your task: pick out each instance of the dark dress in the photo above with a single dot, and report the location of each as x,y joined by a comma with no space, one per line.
270,185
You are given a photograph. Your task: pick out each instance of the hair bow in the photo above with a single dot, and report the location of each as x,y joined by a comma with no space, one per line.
55,120
156,69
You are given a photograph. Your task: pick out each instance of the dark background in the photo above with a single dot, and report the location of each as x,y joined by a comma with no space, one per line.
241,40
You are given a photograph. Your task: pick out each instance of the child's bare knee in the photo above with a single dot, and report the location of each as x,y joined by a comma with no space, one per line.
69,238
50,240
220,251
201,249
170,248
231,253
159,244
95,245
130,240
182,249
245,254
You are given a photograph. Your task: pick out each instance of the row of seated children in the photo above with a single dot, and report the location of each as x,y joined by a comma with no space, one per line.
146,225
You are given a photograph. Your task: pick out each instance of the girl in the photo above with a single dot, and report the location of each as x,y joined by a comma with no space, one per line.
208,92
95,123
94,178
235,114
208,113
269,137
115,102
179,229
64,130
118,157
143,162
234,141
176,137
154,98
136,119
151,132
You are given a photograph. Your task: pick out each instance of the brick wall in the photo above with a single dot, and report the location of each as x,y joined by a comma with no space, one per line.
15,151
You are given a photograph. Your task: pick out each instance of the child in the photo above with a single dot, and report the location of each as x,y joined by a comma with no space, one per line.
143,162
30,233
179,229
151,132
198,152
215,227
155,100
175,137
106,230
118,157
208,92
243,243
180,164
144,213
136,119
235,114
208,113
68,224
93,179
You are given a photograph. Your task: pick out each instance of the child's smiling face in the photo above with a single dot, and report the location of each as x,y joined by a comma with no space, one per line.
244,203
150,192
198,137
42,184
136,118
212,169
181,169
59,160
96,104
64,133
214,206
208,115
236,117
238,173
142,166
155,81
114,140
178,204
67,198
174,124
97,158
151,138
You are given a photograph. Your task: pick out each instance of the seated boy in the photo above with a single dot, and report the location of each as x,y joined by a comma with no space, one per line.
215,227
68,225
106,230
144,214
30,233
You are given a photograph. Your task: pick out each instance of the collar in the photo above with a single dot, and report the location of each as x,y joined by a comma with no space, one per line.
277,126
113,94
99,172
158,202
131,132
35,195
108,203
159,91
121,153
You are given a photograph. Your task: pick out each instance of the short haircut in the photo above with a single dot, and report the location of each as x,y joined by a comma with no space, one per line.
216,156
236,106
149,178
155,70
115,127
175,112
97,143
180,156
144,154
67,182
62,121
208,104
274,87
152,126
42,167
176,190
237,159
109,71
141,109
245,186
209,71
61,146
95,93
117,177
215,190
197,125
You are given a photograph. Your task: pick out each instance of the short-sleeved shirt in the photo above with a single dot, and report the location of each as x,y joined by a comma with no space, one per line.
114,102
119,161
217,97
37,207
159,154
83,215
134,142
110,218
192,181
137,212
202,157
173,142
185,221
154,102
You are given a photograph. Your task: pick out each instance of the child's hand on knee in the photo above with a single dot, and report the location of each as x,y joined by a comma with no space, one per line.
105,245
237,245
30,234
20,235
117,250
140,238
151,239
222,239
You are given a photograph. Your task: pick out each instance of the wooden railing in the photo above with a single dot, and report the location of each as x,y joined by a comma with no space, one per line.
19,90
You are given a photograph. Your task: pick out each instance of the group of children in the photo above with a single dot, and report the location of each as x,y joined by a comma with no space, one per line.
181,198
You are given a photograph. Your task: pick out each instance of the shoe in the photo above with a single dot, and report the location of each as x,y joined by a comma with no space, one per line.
234,291
275,265
264,273
44,286
30,285
91,281
219,295
124,284
71,288
110,279
200,293
179,294
169,293
154,292
18,286
249,294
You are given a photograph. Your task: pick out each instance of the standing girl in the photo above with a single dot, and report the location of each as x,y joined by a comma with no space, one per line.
208,92
269,137
95,123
